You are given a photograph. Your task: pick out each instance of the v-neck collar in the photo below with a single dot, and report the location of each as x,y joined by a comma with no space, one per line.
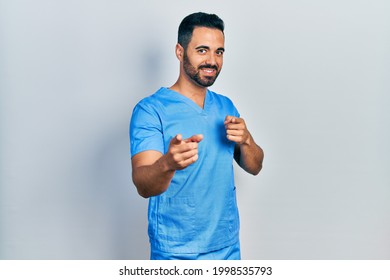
190,102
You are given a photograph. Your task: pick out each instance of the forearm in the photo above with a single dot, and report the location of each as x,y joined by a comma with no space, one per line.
153,172
249,156
153,179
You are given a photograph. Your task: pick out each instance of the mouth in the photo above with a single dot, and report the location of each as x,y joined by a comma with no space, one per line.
209,71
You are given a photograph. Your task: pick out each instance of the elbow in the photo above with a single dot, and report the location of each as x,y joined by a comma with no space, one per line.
259,165
143,193
146,193
253,169
257,170
140,190
145,190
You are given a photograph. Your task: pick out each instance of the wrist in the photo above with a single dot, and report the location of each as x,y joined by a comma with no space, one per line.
248,141
164,166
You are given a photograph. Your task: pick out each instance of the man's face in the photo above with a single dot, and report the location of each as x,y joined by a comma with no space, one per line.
203,58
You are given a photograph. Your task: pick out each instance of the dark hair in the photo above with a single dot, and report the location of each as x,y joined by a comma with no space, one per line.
199,19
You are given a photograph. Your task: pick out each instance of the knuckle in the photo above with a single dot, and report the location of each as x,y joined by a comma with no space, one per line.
176,157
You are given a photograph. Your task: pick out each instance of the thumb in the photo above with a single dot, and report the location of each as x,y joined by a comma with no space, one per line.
177,139
229,119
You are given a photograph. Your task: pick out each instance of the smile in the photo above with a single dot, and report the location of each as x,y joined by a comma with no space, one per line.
208,70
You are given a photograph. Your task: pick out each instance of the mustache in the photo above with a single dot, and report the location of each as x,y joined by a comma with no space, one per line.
209,66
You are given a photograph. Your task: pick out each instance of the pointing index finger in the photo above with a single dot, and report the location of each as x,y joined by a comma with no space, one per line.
229,119
195,138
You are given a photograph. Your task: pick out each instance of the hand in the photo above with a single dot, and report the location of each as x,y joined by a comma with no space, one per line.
182,153
236,130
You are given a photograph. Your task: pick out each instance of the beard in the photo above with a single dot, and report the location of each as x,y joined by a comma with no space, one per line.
194,73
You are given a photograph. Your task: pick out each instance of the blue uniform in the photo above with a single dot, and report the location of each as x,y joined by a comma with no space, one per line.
198,212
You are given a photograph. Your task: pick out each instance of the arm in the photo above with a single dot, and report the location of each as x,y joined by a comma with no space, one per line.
153,171
247,153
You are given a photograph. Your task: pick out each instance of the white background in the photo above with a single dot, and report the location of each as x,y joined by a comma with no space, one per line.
311,78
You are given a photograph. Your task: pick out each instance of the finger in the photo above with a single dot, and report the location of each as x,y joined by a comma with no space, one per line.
235,132
183,164
177,139
237,126
234,138
181,157
184,147
189,154
194,138
229,119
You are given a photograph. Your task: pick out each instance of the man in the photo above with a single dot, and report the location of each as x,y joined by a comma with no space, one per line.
183,141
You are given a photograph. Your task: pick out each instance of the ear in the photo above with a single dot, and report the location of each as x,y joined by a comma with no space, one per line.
179,52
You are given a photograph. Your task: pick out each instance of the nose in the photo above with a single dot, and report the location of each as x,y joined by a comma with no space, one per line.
211,59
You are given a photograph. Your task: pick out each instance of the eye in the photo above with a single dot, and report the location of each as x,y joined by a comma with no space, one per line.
202,51
219,53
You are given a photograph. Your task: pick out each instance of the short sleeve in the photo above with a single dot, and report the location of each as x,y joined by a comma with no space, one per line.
232,108
145,130
236,113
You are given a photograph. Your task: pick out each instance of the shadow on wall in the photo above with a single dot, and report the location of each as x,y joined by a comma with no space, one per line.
122,212
126,216
111,170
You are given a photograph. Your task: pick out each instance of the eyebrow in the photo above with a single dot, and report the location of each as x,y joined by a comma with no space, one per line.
208,48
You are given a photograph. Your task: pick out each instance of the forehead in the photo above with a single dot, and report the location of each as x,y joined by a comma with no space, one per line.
207,36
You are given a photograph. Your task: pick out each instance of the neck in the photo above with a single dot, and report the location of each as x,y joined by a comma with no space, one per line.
191,90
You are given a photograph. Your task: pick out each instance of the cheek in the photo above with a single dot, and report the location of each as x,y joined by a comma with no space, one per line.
196,61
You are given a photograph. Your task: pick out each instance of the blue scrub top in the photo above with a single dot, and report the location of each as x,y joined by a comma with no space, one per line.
198,212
